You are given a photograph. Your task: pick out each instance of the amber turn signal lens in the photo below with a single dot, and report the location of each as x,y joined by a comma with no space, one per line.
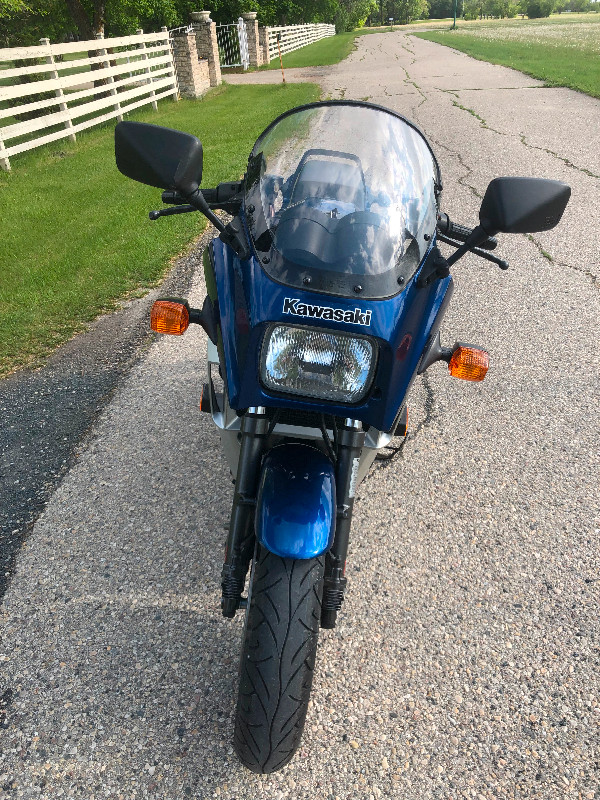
169,317
469,364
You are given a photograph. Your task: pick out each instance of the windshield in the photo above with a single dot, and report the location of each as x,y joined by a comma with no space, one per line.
342,198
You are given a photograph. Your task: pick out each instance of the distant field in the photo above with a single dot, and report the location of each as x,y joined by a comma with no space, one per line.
563,50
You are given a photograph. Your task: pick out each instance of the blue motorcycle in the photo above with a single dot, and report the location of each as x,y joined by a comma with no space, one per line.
326,292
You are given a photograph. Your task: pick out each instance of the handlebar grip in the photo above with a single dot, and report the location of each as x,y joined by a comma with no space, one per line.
210,195
461,233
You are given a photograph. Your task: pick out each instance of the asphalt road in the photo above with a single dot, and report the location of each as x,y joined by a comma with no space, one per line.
466,660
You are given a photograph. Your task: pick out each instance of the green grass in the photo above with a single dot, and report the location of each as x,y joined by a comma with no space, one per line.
332,49
561,51
326,51
75,232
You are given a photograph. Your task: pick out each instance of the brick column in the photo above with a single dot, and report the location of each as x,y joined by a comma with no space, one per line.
206,43
255,52
263,41
192,73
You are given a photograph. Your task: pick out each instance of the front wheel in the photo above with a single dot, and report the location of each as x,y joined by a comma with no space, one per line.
278,659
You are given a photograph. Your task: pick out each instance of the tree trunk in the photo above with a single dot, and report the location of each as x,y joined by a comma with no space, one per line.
80,18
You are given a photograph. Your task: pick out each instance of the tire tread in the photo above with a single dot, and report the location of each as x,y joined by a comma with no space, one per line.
282,626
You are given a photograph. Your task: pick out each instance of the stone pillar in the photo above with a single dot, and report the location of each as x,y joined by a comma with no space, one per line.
263,41
192,73
255,52
206,43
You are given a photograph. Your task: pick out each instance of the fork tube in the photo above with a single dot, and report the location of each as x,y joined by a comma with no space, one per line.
351,440
240,539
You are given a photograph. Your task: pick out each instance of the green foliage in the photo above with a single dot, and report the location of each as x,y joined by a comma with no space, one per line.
351,14
442,9
535,9
579,6
490,8
10,7
25,21
403,11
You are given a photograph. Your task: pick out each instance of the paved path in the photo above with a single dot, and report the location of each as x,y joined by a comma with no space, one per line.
467,658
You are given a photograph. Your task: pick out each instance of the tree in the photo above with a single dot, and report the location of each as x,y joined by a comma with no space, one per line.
352,14
537,8
441,9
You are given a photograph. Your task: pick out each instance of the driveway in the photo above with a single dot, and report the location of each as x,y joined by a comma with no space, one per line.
466,660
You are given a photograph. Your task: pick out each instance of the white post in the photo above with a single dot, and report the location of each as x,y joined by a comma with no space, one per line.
110,80
4,161
140,32
59,92
165,30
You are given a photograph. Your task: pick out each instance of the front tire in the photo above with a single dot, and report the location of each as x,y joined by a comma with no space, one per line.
278,658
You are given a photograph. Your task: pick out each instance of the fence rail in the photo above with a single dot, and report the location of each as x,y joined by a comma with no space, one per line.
292,37
63,97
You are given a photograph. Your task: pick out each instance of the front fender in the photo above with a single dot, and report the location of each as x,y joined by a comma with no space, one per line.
296,504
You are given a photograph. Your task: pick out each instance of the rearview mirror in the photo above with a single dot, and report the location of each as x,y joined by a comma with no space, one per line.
159,156
523,205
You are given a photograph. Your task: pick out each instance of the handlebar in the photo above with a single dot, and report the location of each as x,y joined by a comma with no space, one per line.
460,233
226,196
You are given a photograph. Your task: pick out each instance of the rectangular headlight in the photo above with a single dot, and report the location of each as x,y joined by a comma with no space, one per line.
317,363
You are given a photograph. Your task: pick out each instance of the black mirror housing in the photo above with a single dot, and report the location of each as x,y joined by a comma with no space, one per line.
523,205
160,157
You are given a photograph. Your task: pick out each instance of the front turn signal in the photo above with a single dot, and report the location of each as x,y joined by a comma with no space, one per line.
169,317
469,363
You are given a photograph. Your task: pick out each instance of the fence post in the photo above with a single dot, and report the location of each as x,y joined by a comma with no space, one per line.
254,48
206,43
58,92
165,30
146,68
110,80
4,160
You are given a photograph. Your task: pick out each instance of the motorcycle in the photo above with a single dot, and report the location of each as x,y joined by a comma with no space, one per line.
325,295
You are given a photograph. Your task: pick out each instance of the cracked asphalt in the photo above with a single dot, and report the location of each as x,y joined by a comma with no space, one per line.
466,661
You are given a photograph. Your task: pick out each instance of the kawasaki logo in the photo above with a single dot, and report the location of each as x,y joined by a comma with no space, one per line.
298,309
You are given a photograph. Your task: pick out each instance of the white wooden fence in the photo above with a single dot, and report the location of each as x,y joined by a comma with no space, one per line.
126,72
292,37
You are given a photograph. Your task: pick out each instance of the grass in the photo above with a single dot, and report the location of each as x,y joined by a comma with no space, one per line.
75,232
332,49
326,51
561,50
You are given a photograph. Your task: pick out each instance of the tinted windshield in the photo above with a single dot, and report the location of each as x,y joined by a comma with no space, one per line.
342,195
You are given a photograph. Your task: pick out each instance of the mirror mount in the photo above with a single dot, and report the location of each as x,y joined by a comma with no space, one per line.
478,236
231,234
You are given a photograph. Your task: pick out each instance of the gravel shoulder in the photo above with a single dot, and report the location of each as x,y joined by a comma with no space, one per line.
467,657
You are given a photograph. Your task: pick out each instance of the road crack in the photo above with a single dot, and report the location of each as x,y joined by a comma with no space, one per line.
549,257
566,161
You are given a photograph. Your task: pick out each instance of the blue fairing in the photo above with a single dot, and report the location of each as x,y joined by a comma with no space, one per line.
295,510
249,300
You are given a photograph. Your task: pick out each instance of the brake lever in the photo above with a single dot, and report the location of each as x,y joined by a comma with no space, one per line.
476,251
167,212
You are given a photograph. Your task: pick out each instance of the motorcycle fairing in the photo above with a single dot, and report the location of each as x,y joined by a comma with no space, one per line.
249,301
296,503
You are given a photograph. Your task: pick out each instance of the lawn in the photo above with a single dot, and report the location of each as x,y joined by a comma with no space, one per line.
75,233
330,50
563,50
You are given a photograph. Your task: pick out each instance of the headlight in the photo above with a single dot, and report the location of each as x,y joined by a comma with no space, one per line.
317,363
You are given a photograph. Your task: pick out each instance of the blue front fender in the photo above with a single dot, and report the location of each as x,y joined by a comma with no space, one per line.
295,509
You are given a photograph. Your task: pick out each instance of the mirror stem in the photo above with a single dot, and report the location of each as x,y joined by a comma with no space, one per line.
198,201
478,236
